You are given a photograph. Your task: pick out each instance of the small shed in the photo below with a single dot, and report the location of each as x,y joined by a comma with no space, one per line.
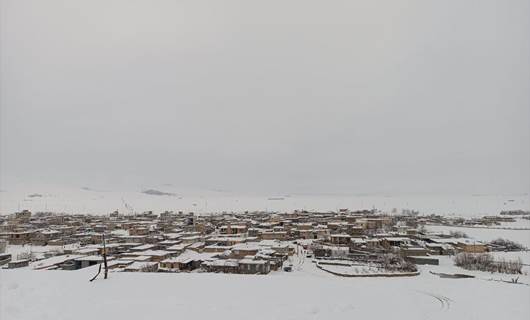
18,264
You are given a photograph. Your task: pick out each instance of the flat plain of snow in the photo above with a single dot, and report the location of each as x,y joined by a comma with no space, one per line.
95,201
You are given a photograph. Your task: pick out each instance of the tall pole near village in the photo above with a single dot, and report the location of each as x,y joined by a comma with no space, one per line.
105,257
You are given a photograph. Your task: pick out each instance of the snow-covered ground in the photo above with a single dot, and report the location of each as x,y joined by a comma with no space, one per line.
305,293
101,201
486,235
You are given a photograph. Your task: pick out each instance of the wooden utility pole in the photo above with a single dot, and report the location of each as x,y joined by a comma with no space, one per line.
104,253
105,257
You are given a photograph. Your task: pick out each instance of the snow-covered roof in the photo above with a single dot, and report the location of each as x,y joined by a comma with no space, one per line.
140,265
250,261
190,255
397,239
86,250
93,258
178,247
341,236
144,247
246,246
156,253
46,263
222,263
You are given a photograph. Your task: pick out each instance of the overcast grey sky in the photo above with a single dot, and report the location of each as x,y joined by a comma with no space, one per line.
267,96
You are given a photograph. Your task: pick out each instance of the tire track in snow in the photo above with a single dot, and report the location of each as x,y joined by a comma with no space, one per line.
445,302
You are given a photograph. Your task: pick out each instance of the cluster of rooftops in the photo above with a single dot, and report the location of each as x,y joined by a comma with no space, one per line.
250,242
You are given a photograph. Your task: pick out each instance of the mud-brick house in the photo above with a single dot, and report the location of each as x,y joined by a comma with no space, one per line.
87,251
83,262
178,248
167,243
65,229
254,232
340,239
142,267
389,242
463,245
414,251
350,219
321,251
62,241
197,246
283,248
119,264
170,264
96,237
274,235
139,231
136,239
192,239
275,259
471,246
21,217
42,237
373,244
204,228
304,226
111,248
84,238
357,244
18,264
4,258
21,237
187,261
216,248
156,255
144,247
440,248
375,223
337,227
355,230
225,241
249,266
233,229
221,265
304,234
242,250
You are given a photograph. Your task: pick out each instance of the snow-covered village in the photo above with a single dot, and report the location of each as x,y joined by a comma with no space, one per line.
365,249
262,160
358,243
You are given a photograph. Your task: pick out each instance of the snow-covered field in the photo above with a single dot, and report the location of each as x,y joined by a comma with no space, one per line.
306,293
102,201
482,234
